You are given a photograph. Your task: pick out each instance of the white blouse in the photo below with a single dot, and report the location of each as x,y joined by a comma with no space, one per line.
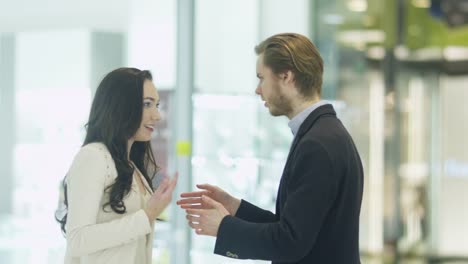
102,236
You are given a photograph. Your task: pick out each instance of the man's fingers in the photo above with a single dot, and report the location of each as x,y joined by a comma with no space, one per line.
197,212
193,194
211,202
192,218
206,186
194,225
196,200
200,232
192,206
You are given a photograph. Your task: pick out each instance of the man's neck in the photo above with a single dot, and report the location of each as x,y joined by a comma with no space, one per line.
301,105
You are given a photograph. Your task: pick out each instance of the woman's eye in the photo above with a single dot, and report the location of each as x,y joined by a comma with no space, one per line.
157,105
146,104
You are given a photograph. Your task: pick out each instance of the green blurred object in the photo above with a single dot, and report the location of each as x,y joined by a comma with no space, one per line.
422,27
423,30
379,16
163,258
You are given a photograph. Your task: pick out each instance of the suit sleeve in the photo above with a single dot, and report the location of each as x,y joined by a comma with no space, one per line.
252,213
311,191
85,187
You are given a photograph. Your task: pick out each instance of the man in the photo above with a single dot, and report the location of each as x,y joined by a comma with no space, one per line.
320,193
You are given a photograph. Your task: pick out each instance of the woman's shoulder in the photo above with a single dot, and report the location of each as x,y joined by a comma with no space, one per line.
92,158
94,152
92,163
95,146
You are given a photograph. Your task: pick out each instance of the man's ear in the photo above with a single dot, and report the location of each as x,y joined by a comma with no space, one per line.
287,77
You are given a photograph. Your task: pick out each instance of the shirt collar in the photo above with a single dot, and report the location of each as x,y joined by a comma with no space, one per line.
296,122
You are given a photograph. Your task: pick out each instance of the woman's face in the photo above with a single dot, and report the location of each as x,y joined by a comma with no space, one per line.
151,113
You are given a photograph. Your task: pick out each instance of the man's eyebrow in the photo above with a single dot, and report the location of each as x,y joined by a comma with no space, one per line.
150,98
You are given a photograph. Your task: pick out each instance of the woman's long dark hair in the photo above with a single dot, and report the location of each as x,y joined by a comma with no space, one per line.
115,117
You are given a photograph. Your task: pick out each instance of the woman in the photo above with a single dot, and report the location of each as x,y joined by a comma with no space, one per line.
108,189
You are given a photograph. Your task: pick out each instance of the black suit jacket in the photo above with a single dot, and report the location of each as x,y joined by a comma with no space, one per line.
318,203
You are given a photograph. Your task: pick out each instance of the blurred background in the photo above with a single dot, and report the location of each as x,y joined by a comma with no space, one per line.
395,70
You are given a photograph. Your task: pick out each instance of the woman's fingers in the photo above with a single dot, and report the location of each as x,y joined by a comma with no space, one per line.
174,179
163,185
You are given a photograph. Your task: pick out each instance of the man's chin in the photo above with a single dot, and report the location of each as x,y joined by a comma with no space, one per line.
275,112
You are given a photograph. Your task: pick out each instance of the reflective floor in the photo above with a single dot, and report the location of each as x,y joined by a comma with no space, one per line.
413,261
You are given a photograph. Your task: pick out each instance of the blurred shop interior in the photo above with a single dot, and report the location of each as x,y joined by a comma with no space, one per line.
396,71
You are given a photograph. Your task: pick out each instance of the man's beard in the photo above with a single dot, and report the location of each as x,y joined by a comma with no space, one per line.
279,105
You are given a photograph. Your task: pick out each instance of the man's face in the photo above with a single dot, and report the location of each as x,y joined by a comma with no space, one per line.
271,91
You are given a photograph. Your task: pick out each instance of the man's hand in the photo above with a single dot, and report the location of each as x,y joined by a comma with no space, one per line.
207,221
193,200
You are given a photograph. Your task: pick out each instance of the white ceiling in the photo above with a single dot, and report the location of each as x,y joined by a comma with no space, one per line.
27,15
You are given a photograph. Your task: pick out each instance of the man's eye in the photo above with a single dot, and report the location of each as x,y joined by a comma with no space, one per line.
146,104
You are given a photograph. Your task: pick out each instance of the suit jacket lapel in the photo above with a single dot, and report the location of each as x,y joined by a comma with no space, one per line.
309,122
306,125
